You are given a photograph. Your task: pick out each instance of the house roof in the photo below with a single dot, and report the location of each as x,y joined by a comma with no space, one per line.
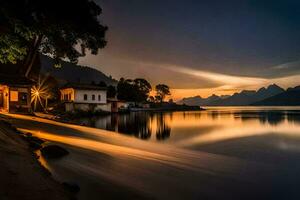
80,86
15,80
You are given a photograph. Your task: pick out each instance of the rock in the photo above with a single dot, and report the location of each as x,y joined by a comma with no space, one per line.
53,151
34,145
72,187
34,142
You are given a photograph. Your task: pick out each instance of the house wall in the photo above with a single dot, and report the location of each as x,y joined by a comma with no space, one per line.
74,100
19,99
5,92
71,106
79,96
103,107
6,100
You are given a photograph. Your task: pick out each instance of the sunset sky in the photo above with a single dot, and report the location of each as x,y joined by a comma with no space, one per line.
202,47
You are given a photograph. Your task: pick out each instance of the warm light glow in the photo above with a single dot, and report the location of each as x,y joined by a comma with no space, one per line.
178,94
14,96
40,92
229,84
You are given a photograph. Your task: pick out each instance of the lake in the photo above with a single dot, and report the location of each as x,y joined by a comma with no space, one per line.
248,132
219,153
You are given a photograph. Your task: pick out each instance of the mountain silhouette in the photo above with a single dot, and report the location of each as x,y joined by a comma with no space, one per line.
69,72
245,97
291,97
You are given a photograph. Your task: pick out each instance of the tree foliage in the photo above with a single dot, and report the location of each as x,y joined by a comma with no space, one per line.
111,91
61,28
136,90
142,89
162,91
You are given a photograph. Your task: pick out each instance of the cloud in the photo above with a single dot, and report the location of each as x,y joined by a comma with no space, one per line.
227,81
286,68
154,72
231,82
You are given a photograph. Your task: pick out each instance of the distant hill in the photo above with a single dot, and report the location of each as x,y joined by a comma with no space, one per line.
245,97
199,101
291,97
69,72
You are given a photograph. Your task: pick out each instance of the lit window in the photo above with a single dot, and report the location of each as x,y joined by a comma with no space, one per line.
99,97
85,97
93,97
14,96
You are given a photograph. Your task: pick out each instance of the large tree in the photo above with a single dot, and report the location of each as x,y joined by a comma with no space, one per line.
63,29
136,90
162,91
111,91
125,90
143,88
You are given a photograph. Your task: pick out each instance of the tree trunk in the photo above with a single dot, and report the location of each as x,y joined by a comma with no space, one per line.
32,54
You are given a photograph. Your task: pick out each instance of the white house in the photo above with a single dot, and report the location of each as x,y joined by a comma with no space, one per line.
84,97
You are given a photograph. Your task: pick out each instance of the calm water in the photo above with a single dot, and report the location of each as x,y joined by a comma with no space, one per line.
220,153
247,132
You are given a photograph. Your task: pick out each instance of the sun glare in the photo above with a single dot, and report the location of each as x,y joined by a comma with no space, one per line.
40,93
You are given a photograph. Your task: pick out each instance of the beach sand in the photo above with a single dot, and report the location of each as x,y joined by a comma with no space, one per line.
21,176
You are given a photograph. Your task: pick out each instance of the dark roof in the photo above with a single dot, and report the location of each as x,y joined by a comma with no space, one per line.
80,86
15,80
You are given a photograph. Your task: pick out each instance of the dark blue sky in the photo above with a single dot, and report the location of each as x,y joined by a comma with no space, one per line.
229,37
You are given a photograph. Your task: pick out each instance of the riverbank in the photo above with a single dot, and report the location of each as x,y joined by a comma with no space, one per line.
22,177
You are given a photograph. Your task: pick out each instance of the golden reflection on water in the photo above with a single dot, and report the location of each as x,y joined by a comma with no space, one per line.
147,163
227,125
99,146
187,129
204,127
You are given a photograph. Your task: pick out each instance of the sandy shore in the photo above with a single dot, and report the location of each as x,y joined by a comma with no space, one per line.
21,175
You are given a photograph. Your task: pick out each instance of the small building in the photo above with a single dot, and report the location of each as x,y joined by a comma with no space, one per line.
117,105
84,97
15,94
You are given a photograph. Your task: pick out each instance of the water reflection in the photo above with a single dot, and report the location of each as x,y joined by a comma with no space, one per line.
266,117
140,124
269,138
163,130
165,126
137,125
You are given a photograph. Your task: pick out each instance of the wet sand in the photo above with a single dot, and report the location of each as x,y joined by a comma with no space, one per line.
106,164
21,176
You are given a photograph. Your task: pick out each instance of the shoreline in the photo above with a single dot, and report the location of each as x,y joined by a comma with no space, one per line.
114,166
19,163
63,188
